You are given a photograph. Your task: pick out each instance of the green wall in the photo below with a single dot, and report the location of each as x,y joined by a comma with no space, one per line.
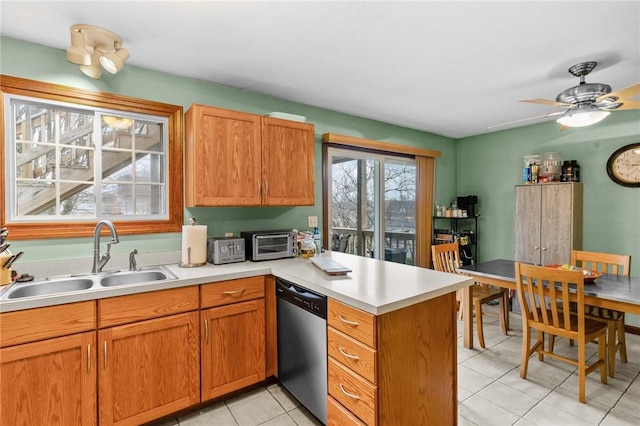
490,165
27,60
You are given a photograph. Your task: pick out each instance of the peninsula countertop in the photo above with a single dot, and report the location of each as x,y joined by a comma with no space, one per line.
375,286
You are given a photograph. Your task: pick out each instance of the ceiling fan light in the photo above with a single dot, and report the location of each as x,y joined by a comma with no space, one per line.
583,118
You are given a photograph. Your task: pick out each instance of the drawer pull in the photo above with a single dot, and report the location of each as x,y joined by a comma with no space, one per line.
206,331
355,323
347,355
105,354
350,395
88,359
232,292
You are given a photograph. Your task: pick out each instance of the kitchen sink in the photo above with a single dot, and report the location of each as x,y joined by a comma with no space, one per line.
156,273
45,287
88,282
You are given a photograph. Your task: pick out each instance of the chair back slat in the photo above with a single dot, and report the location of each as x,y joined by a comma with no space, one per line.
606,263
445,257
542,292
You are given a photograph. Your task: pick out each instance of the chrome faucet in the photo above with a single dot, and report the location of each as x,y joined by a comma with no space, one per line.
100,261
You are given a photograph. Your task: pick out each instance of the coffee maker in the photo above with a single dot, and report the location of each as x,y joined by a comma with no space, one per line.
468,203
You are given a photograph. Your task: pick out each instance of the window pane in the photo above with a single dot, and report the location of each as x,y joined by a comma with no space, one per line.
149,168
149,199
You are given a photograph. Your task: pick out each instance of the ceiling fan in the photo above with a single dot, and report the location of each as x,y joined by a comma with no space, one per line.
586,103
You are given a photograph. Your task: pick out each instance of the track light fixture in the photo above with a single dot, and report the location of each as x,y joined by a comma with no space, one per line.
94,46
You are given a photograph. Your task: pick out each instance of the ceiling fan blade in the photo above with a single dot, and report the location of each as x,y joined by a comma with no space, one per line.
629,105
547,102
622,94
530,118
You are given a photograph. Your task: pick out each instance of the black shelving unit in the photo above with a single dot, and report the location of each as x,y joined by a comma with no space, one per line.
449,229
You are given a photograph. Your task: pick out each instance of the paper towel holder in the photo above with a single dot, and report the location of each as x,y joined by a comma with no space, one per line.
189,264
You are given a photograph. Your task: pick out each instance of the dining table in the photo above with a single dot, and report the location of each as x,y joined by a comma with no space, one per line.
621,293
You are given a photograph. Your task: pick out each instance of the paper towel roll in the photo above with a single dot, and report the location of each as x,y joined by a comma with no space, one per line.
194,237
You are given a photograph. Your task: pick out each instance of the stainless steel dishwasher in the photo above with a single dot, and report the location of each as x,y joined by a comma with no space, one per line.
302,345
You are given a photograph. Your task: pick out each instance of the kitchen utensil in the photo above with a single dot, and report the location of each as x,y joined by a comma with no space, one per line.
4,247
12,260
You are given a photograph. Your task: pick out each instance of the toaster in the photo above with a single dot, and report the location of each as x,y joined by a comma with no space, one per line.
222,250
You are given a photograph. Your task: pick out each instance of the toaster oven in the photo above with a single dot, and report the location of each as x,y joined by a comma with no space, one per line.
269,245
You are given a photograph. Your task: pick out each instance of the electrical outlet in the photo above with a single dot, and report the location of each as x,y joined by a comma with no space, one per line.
228,234
313,221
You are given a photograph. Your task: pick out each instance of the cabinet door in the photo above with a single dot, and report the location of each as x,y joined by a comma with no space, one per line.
223,158
556,227
287,162
148,369
51,382
233,347
527,223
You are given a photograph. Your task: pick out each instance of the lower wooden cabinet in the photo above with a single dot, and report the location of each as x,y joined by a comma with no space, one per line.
49,382
148,369
233,347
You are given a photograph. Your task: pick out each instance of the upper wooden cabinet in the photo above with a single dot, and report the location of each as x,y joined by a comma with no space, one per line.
548,222
240,159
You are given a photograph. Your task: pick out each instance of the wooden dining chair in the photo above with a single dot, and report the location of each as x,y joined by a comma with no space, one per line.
606,263
541,305
446,258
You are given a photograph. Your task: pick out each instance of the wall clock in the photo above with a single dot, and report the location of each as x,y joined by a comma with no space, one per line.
623,166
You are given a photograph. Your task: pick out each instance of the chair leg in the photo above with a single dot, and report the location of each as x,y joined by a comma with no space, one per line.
540,345
526,352
479,323
582,370
552,340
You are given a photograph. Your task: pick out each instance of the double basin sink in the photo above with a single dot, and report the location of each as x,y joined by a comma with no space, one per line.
74,283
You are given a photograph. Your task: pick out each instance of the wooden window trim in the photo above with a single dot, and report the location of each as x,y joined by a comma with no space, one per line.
425,167
56,92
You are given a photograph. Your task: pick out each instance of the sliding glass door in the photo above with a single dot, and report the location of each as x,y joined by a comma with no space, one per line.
372,204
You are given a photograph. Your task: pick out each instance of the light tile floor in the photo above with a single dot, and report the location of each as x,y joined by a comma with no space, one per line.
490,390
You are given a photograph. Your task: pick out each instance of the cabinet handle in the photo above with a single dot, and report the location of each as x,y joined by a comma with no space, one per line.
544,249
105,354
206,331
266,188
232,292
350,395
536,248
347,321
89,359
259,188
347,355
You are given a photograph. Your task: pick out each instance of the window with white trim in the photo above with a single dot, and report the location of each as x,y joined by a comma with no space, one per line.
90,164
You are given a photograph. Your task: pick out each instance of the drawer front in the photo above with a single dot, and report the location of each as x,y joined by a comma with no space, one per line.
233,291
353,322
352,354
35,324
337,415
353,392
144,306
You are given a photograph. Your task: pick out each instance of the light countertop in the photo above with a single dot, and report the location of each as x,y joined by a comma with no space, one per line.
374,286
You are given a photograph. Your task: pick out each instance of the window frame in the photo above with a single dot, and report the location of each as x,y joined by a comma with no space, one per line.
73,228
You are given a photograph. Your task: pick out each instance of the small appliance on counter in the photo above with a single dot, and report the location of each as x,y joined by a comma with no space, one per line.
270,245
221,250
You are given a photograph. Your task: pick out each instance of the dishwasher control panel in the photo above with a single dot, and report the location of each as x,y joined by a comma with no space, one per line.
302,297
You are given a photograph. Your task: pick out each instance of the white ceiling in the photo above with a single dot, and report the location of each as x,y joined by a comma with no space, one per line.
452,68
